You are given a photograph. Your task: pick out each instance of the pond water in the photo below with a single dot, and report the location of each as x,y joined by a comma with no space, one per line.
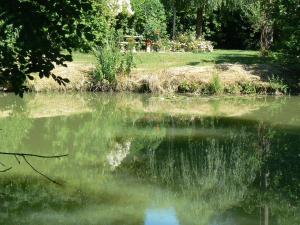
146,160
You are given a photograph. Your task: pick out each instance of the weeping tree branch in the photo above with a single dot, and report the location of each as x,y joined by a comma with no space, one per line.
28,155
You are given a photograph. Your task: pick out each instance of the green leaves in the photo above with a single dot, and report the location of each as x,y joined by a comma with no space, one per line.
34,35
149,19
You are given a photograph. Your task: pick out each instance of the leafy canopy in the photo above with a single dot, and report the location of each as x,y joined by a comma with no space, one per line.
34,35
149,18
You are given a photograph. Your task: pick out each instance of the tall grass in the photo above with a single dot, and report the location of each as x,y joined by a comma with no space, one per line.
215,85
111,62
277,85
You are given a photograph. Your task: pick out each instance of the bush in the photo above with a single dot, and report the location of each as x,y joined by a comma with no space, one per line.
111,63
188,43
277,85
215,85
248,88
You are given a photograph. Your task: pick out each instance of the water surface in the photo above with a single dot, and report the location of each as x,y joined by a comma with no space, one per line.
146,160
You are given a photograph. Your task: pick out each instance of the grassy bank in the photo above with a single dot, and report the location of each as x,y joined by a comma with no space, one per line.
219,72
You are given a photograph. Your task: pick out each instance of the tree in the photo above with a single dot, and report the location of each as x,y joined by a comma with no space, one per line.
278,22
149,19
98,23
175,6
286,15
260,13
202,7
35,35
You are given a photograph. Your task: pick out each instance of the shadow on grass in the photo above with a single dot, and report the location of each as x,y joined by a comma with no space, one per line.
194,63
264,67
247,59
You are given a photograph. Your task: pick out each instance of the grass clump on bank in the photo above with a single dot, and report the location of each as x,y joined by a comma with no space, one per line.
110,64
216,86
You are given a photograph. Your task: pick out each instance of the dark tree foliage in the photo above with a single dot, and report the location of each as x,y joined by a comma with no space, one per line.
229,29
287,27
35,35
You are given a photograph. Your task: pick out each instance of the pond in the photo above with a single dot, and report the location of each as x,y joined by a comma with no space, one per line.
148,160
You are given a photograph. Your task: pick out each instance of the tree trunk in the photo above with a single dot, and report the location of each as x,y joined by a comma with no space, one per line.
266,37
199,22
174,22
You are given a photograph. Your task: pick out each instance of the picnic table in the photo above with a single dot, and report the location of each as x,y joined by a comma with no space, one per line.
130,39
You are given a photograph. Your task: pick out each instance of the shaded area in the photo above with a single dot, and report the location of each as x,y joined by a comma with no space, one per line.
265,67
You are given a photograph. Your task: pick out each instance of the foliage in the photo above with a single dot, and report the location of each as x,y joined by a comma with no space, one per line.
33,38
260,13
287,24
187,42
187,87
98,24
149,19
203,7
277,85
112,62
231,29
278,22
215,85
248,88
223,22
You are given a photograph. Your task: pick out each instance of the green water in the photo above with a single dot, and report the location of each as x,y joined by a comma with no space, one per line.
146,160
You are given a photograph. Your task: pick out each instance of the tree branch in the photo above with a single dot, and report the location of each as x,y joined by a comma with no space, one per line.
34,169
5,170
24,155
32,155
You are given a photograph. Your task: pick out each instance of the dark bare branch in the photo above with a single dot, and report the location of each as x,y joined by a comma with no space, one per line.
32,155
34,169
16,157
3,171
2,164
24,155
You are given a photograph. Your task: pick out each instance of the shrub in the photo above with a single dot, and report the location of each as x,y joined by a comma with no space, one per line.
111,62
277,85
204,46
187,87
248,87
233,89
215,85
187,42
176,46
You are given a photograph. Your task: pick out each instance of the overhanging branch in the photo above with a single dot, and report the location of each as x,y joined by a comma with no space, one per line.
24,156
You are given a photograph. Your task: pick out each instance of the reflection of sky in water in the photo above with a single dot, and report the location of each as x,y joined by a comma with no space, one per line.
161,217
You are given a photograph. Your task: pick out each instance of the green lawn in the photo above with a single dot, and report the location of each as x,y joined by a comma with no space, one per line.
160,61
155,61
